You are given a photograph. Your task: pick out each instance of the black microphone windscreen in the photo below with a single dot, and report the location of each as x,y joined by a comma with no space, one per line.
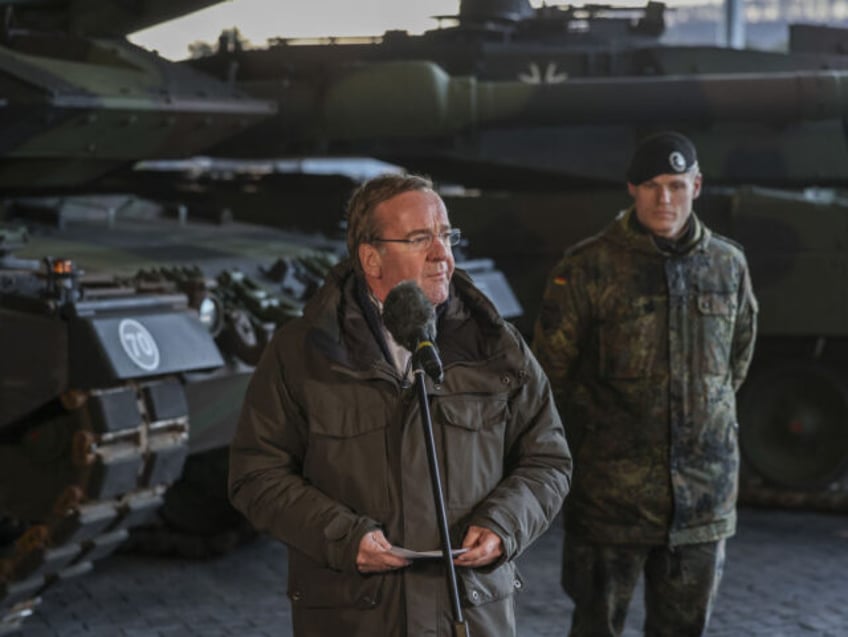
408,315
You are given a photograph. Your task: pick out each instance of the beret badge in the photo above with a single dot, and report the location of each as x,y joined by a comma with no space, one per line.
677,161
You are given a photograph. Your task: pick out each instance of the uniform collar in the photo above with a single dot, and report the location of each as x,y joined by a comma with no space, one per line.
626,229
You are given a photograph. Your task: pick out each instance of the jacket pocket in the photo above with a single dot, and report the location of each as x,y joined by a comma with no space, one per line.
628,346
311,586
716,314
479,587
473,435
346,456
346,412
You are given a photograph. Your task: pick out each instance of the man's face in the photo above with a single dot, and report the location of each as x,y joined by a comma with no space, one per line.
406,216
664,203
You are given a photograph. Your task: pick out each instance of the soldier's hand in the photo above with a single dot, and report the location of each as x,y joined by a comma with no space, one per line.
374,556
484,547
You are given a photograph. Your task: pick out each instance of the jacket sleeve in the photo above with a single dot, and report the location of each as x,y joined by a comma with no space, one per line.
537,466
744,331
266,482
560,328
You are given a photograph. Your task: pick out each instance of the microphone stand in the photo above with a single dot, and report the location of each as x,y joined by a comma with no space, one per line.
460,628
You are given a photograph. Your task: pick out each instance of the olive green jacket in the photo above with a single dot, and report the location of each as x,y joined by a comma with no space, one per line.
330,445
645,351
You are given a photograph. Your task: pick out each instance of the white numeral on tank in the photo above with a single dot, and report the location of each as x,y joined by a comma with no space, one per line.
139,344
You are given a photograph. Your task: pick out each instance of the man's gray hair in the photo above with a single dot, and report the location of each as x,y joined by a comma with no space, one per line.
361,223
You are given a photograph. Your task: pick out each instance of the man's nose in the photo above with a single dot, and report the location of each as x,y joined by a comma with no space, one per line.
664,194
440,248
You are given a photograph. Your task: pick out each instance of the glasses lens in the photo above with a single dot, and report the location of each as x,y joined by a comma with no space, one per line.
421,243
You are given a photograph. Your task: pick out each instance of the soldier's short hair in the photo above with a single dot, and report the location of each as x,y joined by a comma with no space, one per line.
361,222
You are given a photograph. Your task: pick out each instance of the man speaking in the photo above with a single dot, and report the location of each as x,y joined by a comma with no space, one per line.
330,457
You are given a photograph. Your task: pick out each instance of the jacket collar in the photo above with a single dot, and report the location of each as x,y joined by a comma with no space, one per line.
337,325
625,232
345,325
470,327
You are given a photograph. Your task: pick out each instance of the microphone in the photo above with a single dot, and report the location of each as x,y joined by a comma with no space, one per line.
411,320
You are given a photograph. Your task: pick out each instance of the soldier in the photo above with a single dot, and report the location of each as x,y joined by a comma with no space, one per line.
646,332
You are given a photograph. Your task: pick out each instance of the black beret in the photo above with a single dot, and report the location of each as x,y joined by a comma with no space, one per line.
660,154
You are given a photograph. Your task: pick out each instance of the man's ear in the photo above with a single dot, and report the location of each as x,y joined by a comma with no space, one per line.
696,190
371,260
631,189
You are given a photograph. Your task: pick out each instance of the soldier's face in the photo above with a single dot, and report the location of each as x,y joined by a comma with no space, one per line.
408,215
664,203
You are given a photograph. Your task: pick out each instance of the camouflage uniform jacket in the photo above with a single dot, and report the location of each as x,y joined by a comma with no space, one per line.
645,351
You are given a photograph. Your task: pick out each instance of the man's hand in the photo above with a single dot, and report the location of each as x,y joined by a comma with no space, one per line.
484,547
374,556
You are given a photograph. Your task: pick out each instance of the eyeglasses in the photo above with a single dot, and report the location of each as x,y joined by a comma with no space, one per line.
423,241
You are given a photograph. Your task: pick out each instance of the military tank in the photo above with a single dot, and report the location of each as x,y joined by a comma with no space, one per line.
116,383
532,114
120,367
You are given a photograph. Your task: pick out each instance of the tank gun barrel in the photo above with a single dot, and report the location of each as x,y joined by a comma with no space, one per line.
418,99
65,121
777,98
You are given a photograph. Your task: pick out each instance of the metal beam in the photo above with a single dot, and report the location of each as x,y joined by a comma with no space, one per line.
734,12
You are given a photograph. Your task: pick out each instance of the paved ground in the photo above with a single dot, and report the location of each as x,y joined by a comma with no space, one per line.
786,576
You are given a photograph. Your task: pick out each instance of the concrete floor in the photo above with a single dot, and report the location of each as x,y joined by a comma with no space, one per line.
786,576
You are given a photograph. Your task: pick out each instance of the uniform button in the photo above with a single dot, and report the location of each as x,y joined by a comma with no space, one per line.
297,596
475,595
518,583
506,380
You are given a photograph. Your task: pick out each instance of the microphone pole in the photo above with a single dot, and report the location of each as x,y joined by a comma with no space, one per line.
411,320
460,628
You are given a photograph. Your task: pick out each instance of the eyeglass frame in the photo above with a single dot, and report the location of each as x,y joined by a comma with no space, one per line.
449,239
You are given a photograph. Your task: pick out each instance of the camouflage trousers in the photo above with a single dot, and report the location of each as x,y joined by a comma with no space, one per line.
680,586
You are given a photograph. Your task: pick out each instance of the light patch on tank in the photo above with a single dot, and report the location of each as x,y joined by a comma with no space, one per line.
139,344
210,314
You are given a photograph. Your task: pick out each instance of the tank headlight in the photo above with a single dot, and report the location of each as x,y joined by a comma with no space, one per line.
209,312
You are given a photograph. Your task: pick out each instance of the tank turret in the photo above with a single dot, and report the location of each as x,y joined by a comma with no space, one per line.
482,12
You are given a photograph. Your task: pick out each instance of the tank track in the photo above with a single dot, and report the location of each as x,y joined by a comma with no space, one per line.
104,472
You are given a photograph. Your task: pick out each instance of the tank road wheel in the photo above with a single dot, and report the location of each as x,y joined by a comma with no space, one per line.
794,425
243,337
